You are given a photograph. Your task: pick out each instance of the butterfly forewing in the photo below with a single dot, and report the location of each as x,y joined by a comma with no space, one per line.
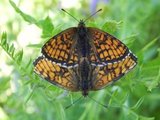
114,71
55,74
60,48
107,48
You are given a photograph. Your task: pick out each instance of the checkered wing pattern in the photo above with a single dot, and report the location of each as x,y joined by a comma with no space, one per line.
114,71
107,48
55,74
60,48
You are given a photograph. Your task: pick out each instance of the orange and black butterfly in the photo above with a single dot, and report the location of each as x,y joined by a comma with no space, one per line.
84,77
83,59
101,48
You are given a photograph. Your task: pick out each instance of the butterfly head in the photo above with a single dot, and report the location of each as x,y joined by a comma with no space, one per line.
81,23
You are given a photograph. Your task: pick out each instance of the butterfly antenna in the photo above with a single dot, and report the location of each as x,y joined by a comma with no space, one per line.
74,102
105,106
92,15
69,14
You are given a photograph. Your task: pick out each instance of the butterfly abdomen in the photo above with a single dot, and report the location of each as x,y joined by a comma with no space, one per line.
84,69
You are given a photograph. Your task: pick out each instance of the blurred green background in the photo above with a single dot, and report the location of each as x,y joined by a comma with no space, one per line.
26,25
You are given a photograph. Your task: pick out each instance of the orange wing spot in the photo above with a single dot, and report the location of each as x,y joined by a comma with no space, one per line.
120,63
117,71
52,42
68,36
116,42
115,53
76,58
39,68
92,58
115,65
96,42
53,52
109,77
123,70
102,37
62,53
48,47
60,46
107,47
102,47
57,68
52,75
64,47
105,53
112,56
110,66
119,52
101,55
45,75
46,66
126,61
108,58
111,47
110,52
112,74
64,37
121,49
59,38
66,56
57,52
101,82
109,41
99,50
50,51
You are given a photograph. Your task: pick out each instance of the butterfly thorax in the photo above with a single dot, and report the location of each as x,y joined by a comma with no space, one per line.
83,45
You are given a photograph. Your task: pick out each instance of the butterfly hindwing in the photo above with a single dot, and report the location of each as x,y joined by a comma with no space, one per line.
114,71
54,73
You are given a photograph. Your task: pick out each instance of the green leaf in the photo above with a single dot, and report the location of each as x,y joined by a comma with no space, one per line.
137,105
111,26
35,45
26,17
6,47
11,50
19,56
132,116
47,27
28,64
146,118
4,38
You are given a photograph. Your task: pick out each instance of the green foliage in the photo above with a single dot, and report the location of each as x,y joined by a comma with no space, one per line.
134,97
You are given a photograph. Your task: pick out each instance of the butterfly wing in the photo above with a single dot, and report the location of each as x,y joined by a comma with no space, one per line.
55,74
60,48
114,71
107,48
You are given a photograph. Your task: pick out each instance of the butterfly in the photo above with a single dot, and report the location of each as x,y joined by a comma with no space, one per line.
101,48
84,77
84,59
